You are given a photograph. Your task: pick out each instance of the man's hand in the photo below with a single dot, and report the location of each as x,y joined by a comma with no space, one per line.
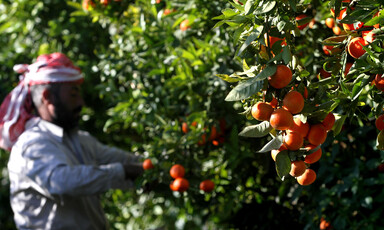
133,170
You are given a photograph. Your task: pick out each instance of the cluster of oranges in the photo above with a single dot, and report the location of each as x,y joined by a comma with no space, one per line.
296,134
180,183
216,137
361,35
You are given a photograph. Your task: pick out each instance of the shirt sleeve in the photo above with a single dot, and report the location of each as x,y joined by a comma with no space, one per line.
104,154
48,167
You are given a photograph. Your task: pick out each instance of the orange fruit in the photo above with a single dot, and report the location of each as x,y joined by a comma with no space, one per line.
202,140
274,152
317,134
297,168
147,164
348,66
184,127
177,171
330,22
104,2
352,27
180,184
171,186
324,74
379,81
342,13
293,140
168,11
379,123
293,102
301,17
273,40
325,225
261,111
329,121
213,134
207,186
368,36
299,127
313,157
281,119
273,103
86,3
355,47
184,25
307,178
281,78
336,30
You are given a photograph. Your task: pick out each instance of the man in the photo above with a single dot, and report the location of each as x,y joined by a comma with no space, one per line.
57,172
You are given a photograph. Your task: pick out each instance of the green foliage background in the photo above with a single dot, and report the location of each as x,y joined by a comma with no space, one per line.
145,77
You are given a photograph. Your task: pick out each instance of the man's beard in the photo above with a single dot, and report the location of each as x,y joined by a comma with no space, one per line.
64,117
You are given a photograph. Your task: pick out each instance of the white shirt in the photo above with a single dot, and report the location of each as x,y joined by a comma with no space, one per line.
56,178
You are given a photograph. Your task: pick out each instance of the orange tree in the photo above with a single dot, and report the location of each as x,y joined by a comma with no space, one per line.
337,73
153,67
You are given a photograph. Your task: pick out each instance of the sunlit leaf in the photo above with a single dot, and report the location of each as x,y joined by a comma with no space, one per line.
258,130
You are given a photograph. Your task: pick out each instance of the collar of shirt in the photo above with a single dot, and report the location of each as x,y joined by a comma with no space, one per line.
55,131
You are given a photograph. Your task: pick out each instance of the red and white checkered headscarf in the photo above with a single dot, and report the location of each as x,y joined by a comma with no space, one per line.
17,107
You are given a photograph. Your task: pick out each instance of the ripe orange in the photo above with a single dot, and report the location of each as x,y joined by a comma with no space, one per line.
86,3
368,36
281,119
273,40
104,2
325,225
180,184
317,134
177,171
300,17
297,168
336,30
299,127
327,50
202,140
352,27
330,22
313,157
307,178
147,164
379,123
379,82
261,111
184,25
293,140
213,134
281,78
274,152
184,127
324,74
293,102
329,121
355,47
207,186
273,103
342,13
348,66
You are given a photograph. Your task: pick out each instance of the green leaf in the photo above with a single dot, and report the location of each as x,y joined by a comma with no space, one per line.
340,119
283,164
275,143
259,130
286,55
265,8
252,37
292,3
249,87
380,140
228,78
249,5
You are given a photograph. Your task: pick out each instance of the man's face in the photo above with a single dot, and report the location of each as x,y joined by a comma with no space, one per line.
68,106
